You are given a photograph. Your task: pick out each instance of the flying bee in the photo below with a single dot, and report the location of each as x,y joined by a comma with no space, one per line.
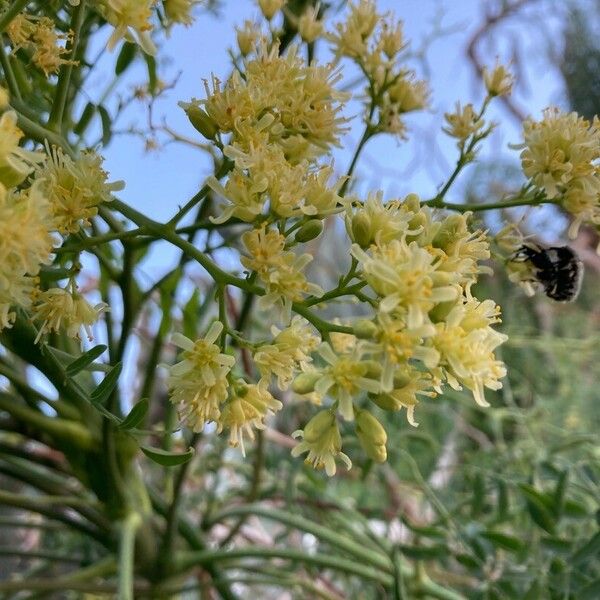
557,269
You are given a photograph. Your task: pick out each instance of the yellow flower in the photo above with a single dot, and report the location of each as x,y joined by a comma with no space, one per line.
371,435
75,188
198,383
246,411
466,343
559,149
408,383
463,122
309,26
405,276
270,8
290,351
131,19
343,377
247,36
323,442
352,35
499,82
59,308
47,52
179,11
408,95
16,163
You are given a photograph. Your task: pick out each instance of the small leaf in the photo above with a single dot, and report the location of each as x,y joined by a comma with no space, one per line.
424,552
590,549
106,125
589,592
125,58
167,459
539,507
559,493
190,315
502,540
503,500
478,495
136,415
152,79
107,385
84,360
84,120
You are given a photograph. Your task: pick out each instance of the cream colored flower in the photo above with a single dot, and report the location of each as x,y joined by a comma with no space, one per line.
198,383
463,122
75,188
131,20
247,36
62,309
352,35
371,435
406,278
560,148
343,377
290,351
270,8
16,163
322,440
466,344
309,26
180,11
246,411
498,82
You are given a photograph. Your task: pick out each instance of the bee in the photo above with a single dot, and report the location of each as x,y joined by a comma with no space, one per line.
557,269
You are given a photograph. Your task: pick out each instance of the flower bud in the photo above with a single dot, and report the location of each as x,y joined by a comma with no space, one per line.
319,425
305,383
385,402
270,8
309,231
365,329
371,435
499,82
361,229
200,120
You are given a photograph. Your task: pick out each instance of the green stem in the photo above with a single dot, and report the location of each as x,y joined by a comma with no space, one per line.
40,134
64,79
434,202
325,534
367,134
92,242
15,8
9,76
126,556
188,560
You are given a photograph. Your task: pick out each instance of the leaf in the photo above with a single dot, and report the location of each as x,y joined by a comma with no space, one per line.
559,493
539,507
503,500
502,540
424,552
478,495
84,120
590,549
84,360
190,315
152,79
107,385
106,125
167,459
468,561
125,58
136,415
589,592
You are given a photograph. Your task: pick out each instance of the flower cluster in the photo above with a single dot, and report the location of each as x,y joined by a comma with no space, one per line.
412,267
39,35
560,155
375,43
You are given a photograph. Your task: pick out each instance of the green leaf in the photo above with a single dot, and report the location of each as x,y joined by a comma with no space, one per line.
190,315
502,540
106,125
424,552
84,360
478,495
590,549
84,120
152,78
556,544
125,58
107,385
539,507
589,592
559,493
468,561
503,500
167,459
136,415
